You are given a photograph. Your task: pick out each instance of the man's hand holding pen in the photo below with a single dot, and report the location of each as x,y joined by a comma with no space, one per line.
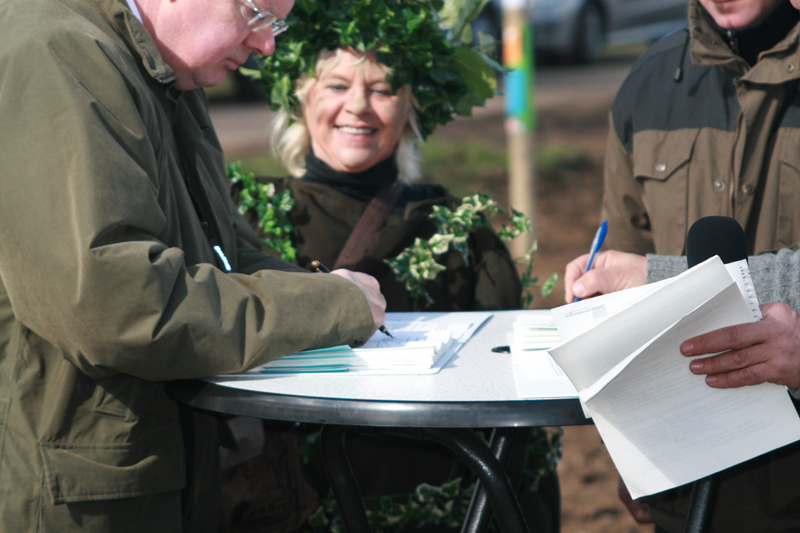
611,271
368,285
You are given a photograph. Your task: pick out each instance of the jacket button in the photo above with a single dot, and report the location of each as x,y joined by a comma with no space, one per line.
719,185
359,342
661,167
749,189
790,68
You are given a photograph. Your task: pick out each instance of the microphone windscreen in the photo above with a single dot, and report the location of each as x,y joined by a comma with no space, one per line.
711,236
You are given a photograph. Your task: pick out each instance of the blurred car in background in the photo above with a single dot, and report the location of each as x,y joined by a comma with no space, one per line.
579,30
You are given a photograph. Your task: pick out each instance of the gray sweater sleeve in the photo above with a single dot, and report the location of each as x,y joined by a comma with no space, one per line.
776,277
664,266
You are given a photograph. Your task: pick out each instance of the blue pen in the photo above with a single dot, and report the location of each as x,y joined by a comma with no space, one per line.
599,237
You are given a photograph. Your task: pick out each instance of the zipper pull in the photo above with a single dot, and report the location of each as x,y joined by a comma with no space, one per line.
223,258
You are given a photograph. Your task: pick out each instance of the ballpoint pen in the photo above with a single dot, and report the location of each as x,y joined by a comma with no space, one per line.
319,267
599,237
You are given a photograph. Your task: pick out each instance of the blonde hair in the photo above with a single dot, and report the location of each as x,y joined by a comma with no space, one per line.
290,138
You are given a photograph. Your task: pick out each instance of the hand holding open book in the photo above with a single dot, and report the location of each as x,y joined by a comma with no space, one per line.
662,425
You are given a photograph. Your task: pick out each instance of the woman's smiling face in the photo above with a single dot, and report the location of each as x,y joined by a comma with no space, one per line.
353,117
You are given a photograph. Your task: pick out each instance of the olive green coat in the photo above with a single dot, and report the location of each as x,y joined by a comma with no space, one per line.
323,219
109,287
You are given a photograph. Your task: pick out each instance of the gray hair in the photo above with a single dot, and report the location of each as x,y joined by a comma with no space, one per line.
290,138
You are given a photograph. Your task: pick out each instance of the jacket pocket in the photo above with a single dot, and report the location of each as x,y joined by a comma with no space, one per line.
661,161
124,396
79,473
789,190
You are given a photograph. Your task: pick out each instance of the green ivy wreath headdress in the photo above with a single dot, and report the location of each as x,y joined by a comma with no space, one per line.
424,42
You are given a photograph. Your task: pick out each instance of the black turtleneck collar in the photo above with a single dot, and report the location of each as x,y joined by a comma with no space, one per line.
364,186
761,35
359,185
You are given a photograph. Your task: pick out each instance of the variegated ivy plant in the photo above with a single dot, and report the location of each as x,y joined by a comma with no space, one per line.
417,264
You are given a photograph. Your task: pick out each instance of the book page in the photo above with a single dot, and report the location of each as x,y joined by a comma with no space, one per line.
664,427
589,356
418,347
575,318
408,339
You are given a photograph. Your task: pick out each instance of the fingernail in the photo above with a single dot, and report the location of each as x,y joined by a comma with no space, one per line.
696,366
578,289
711,379
687,347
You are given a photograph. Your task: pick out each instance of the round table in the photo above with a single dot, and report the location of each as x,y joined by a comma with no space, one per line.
474,389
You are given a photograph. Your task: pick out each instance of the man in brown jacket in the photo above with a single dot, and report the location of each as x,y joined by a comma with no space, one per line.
708,123
124,264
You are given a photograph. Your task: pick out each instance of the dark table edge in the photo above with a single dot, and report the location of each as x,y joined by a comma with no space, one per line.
520,413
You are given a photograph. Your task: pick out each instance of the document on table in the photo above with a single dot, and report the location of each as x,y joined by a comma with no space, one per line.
662,425
536,375
418,347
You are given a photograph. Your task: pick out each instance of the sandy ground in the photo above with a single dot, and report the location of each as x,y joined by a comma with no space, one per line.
572,109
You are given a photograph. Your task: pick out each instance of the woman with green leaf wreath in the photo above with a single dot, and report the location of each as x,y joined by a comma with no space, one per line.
357,84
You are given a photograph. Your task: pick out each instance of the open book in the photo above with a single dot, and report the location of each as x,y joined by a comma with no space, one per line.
662,425
405,349
416,347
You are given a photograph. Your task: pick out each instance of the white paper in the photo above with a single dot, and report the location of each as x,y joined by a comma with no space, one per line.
537,376
405,354
662,425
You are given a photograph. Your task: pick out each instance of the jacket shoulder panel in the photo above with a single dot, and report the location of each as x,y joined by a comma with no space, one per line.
652,99
791,118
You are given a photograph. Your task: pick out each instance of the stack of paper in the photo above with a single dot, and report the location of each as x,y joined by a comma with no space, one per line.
535,332
662,424
404,350
536,375
416,347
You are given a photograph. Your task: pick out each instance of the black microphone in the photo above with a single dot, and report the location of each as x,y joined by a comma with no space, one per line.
707,237
711,236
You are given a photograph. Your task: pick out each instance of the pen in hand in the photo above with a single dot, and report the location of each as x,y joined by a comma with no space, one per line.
599,237
319,267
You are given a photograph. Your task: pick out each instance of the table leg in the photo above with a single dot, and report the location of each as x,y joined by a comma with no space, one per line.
343,483
479,512
465,443
490,472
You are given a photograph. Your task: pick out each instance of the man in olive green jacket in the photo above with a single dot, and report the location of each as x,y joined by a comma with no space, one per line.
708,123
124,264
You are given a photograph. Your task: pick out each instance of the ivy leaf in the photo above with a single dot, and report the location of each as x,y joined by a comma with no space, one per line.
547,287
260,202
457,14
479,77
440,243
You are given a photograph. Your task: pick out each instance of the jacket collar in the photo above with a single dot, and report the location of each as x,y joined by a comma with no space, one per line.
778,65
133,32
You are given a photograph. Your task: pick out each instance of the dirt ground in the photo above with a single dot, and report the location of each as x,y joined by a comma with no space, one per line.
568,212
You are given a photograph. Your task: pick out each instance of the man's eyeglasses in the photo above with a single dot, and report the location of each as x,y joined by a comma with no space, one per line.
261,20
